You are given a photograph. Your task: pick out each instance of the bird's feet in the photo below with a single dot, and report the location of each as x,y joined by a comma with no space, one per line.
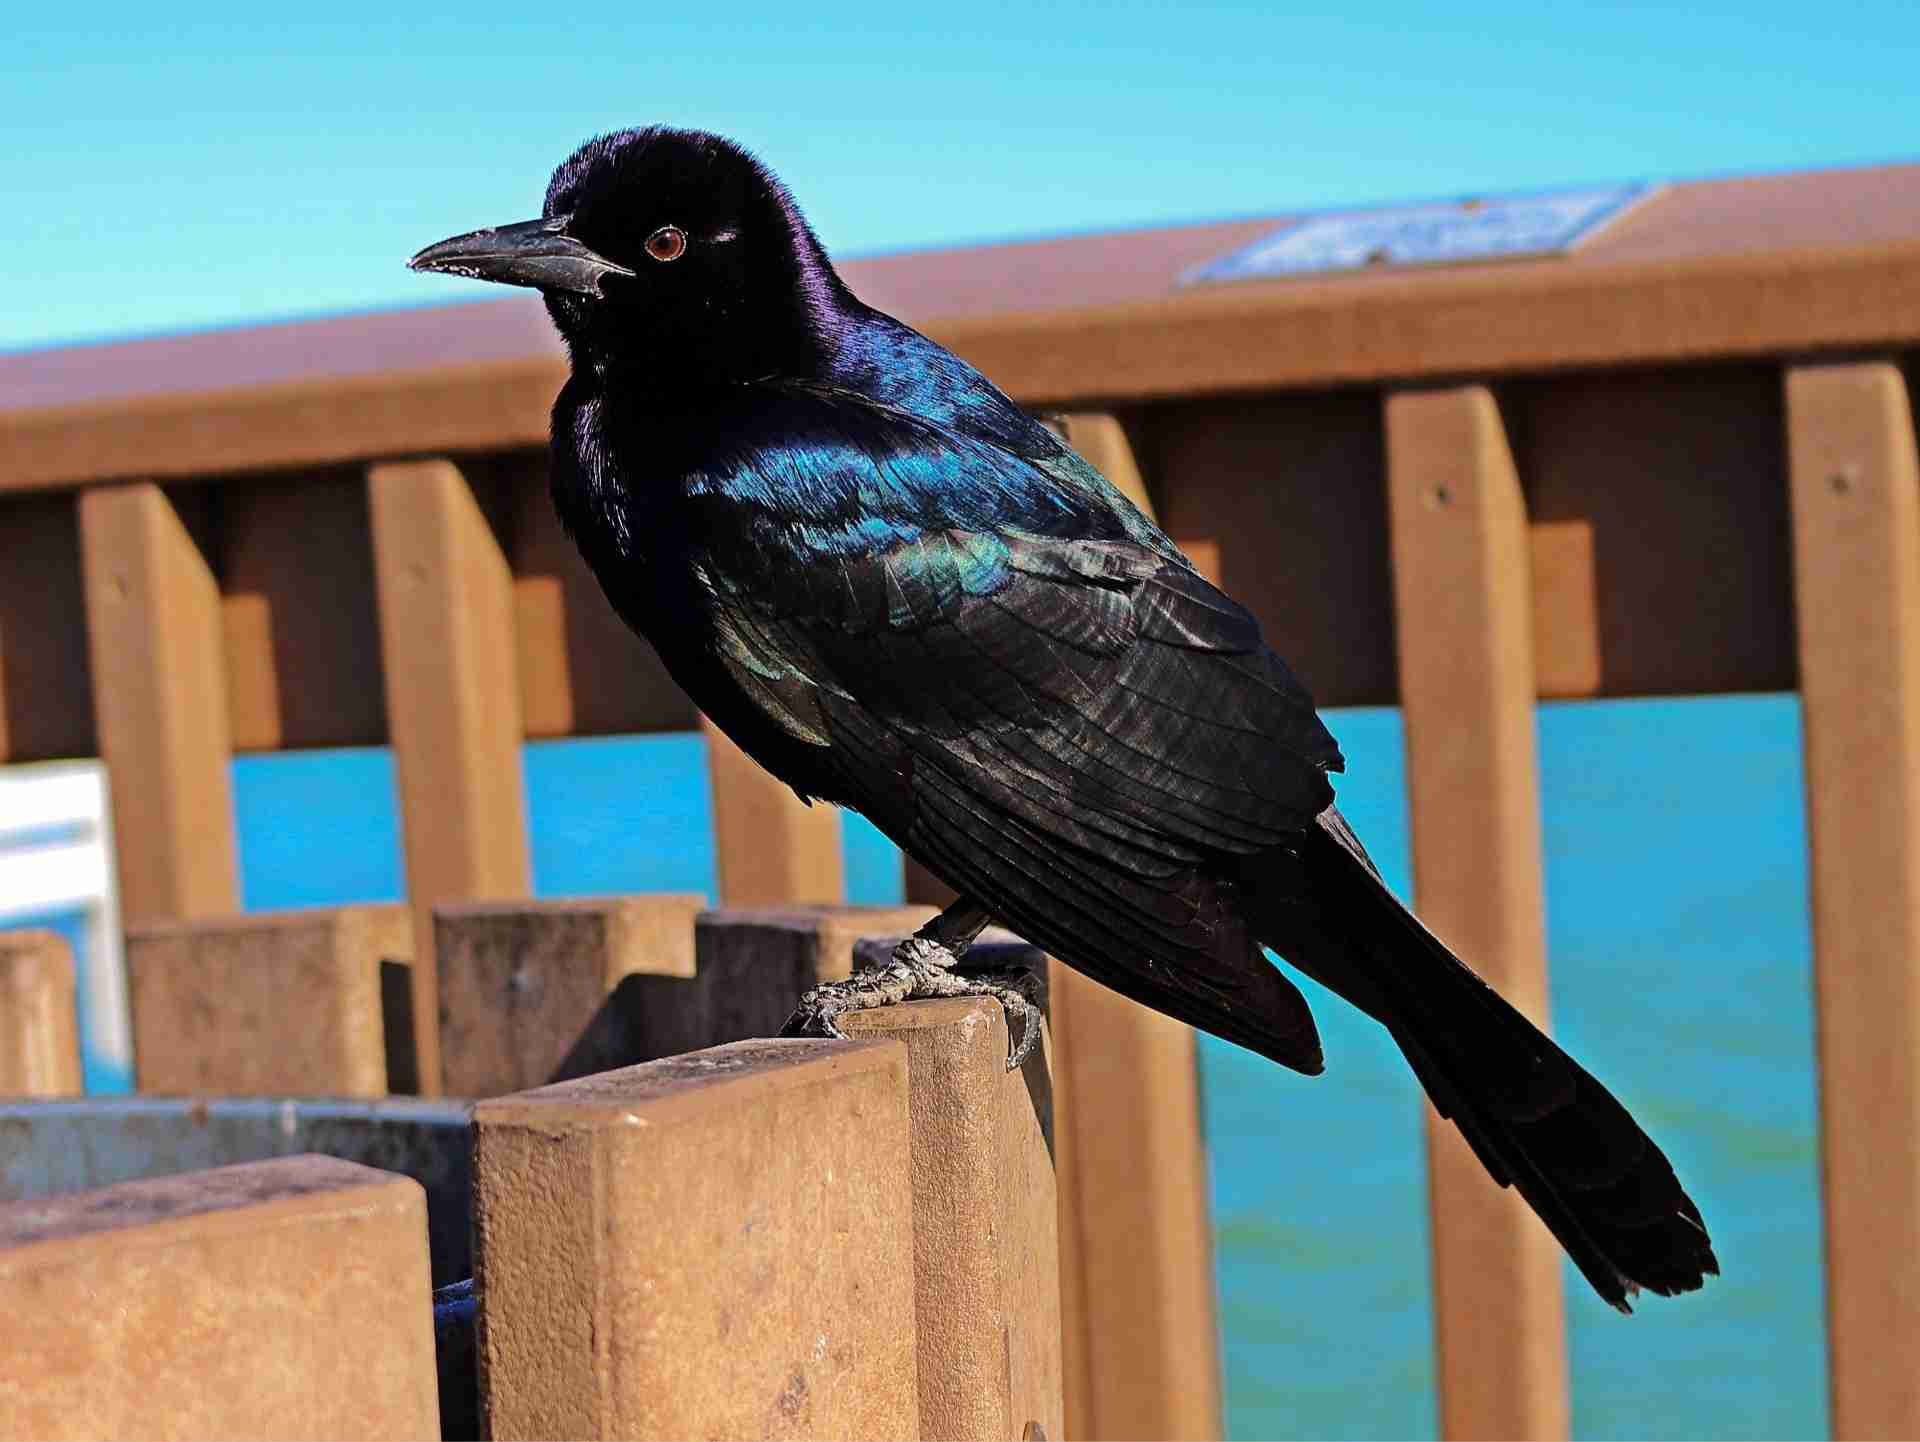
916,969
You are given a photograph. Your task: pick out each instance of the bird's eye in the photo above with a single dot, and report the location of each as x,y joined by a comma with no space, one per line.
669,242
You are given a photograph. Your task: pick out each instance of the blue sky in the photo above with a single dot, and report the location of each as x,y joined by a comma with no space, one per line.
179,166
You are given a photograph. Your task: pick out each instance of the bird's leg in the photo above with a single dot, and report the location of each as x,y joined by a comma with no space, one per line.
923,965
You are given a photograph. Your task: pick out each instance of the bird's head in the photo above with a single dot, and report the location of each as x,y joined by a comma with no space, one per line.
672,254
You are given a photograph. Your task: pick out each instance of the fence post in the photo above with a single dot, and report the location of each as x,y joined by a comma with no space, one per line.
1856,547
985,1251
269,1004
262,1300
773,848
713,1245
1463,609
1142,1346
453,706
751,965
39,1030
533,992
1102,439
160,703
1136,1238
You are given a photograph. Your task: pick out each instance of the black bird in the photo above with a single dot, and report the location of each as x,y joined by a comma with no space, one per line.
899,592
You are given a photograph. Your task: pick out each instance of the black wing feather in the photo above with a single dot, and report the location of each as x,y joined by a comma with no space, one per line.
1069,729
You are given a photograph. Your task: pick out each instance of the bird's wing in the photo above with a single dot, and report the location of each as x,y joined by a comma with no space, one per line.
1067,728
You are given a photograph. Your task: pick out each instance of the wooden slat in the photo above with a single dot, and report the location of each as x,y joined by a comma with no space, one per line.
713,1245
453,706
1103,440
160,704
1205,555
1293,489
39,1035
285,1003
533,992
541,991
1414,324
772,846
46,703
1657,501
1856,529
583,671
1141,1354
329,421
299,614
751,966
1464,612
986,1257
284,1298
1334,331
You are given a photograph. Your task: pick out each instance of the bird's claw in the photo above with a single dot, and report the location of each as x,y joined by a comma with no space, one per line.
1008,987
916,969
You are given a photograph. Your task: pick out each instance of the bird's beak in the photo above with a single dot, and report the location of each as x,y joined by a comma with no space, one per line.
530,252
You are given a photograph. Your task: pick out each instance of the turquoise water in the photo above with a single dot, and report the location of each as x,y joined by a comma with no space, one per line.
606,815
1678,935
1681,976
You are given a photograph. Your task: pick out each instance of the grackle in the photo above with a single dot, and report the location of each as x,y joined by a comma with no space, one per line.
900,593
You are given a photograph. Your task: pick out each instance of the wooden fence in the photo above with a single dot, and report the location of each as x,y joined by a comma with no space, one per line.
1680,460
768,1238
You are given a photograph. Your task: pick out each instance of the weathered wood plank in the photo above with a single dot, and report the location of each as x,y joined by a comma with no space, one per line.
1856,549
1339,331
271,1299
39,1031
453,706
286,1003
1464,611
985,1249
160,704
714,1245
772,846
533,992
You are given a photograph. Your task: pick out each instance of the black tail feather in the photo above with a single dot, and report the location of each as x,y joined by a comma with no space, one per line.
1536,1119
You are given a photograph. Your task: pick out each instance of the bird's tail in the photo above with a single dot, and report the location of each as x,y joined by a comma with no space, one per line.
1535,1118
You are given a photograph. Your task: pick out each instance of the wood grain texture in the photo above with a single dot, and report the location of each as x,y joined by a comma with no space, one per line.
714,1245
160,704
317,422
1856,530
986,1255
1414,324
281,1003
583,671
1338,330
533,992
1657,506
1140,1353
1464,611
772,846
1293,490
284,1298
39,1029
752,964
453,706
299,615
46,696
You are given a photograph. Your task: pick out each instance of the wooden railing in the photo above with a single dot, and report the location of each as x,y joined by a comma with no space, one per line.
1460,491
779,1238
